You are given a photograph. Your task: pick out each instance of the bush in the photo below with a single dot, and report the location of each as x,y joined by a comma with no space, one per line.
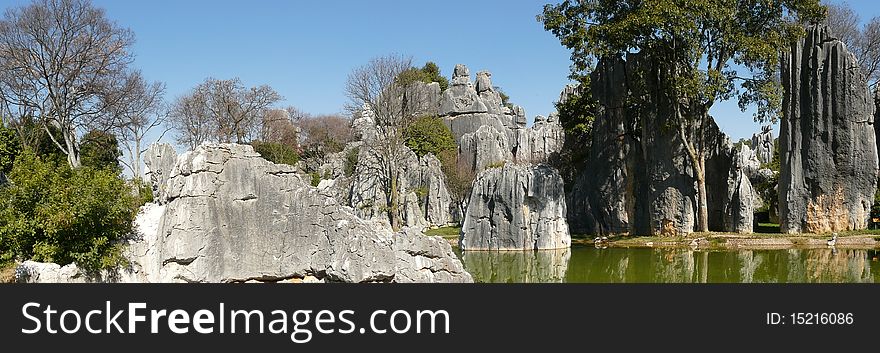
51,212
429,134
427,74
100,150
9,148
276,152
351,159
316,178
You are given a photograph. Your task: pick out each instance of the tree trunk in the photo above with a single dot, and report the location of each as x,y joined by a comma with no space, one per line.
702,204
72,149
395,216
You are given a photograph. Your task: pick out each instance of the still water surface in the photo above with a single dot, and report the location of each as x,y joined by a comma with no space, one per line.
653,265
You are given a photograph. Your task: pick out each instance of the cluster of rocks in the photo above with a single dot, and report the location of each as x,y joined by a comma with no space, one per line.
489,133
828,147
517,201
223,214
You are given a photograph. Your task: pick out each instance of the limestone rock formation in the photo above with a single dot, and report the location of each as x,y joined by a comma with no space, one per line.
762,143
461,97
230,216
827,142
516,207
638,178
159,160
740,201
484,147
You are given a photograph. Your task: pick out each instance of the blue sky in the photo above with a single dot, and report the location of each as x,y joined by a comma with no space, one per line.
305,49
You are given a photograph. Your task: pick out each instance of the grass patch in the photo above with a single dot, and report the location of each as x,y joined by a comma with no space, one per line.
445,232
7,272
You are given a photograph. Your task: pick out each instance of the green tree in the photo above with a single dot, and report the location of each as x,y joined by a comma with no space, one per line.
51,212
432,72
428,134
427,74
698,47
10,147
576,114
100,150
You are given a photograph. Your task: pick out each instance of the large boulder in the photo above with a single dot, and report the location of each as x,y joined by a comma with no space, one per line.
828,149
516,207
230,216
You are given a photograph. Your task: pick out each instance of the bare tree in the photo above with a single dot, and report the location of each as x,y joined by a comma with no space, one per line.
58,60
141,110
222,111
190,118
862,39
278,127
377,93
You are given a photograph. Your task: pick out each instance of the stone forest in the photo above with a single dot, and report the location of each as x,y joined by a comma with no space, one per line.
448,180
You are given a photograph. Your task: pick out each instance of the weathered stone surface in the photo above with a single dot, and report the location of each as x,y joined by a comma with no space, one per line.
827,141
484,147
159,159
762,143
638,177
539,143
516,207
41,272
424,98
461,97
740,200
438,206
231,216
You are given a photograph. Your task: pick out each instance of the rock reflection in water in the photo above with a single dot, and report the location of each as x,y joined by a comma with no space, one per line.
633,265
541,266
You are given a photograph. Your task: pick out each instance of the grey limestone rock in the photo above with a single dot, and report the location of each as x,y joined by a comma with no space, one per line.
762,142
516,207
159,160
827,142
231,216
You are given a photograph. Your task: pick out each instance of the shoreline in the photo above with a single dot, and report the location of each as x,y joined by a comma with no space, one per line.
725,241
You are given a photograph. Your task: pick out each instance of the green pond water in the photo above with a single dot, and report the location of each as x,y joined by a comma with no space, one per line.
654,265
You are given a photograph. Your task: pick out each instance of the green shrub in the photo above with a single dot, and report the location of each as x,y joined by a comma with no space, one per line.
498,164
10,147
51,212
144,192
427,74
100,150
316,178
429,134
276,152
351,159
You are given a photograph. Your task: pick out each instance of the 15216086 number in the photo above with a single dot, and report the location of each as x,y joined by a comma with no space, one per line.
810,319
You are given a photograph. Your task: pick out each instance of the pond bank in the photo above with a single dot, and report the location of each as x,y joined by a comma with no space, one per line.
866,239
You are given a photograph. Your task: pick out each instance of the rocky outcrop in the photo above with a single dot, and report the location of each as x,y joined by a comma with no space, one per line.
159,160
228,215
461,97
762,143
740,203
638,177
478,118
828,149
484,147
516,207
